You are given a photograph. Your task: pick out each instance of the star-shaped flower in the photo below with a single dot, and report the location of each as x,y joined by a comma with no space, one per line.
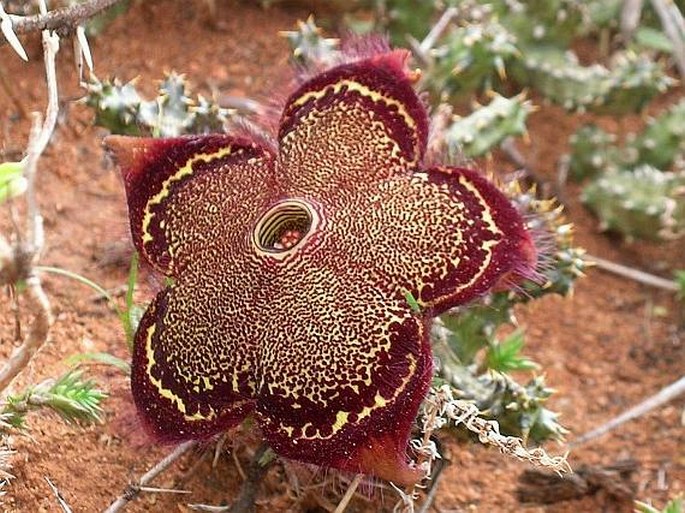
306,273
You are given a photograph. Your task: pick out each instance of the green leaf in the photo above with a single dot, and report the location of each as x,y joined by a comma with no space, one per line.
266,458
505,356
653,39
673,506
411,301
680,281
131,316
10,170
12,181
100,357
81,279
123,315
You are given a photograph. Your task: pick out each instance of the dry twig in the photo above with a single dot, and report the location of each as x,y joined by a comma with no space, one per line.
674,26
540,487
464,412
633,274
132,490
255,473
342,505
61,21
664,395
630,17
16,263
58,495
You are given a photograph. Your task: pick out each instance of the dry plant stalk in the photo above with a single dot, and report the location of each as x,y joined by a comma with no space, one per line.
441,408
633,274
18,260
132,490
466,413
61,21
663,396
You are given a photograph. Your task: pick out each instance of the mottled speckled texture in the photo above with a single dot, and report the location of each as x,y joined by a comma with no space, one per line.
291,270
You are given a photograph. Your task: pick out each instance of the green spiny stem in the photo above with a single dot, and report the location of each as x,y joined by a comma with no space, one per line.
564,262
470,58
645,203
119,108
519,409
309,46
660,145
628,86
542,21
487,126
592,151
663,140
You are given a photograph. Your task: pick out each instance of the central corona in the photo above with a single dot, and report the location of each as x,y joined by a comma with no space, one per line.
285,226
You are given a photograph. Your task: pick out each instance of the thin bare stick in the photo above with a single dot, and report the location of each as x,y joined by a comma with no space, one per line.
665,395
428,502
61,21
58,495
440,26
132,490
207,508
342,505
509,148
153,489
672,21
633,274
630,17
34,227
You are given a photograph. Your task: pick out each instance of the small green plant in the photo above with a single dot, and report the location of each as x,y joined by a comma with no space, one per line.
74,398
309,45
629,186
485,42
470,58
627,86
673,506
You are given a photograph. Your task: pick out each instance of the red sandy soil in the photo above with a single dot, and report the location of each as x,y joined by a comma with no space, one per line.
604,349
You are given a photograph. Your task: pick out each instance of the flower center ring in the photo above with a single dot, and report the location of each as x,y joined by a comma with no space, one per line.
284,227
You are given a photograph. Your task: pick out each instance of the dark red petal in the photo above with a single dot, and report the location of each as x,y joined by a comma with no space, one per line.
349,126
445,236
184,192
343,368
190,378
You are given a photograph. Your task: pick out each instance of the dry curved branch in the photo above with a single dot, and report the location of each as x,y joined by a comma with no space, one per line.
61,21
38,304
17,262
